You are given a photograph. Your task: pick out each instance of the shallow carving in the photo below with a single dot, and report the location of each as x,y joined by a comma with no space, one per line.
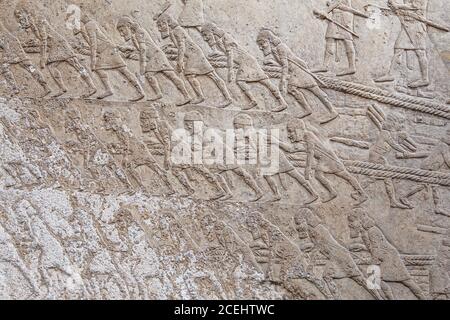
203,149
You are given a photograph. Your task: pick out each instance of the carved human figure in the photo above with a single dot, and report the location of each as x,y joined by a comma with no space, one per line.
105,56
340,264
12,53
295,74
260,244
320,158
151,122
134,151
219,234
223,168
152,60
411,40
195,127
440,275
191,61
91,148
378,151
54,49
15,247
242,67
388,258
244,124
340,16
438,160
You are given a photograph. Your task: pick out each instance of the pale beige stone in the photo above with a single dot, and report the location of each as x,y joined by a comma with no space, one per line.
350,201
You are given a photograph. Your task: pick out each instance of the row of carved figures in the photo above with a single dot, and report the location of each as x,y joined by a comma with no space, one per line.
307,159
190,61
53,262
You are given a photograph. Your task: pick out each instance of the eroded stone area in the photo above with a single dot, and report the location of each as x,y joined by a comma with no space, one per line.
224,149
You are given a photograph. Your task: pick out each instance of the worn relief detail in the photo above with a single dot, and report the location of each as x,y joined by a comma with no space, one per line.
225,149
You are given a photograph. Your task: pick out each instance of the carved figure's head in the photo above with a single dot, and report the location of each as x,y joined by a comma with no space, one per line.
266,39
149,120
110,119
367,222
73,119
23,16
242,121
296,130
300,222
190,119
165,23
208,31
311,218
354,222
126,27
252,223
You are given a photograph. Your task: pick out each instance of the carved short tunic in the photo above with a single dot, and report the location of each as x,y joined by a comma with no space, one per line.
108,56
195,62
58,49
12,51
341,264
342,17
326,160
249,69
156,60
413,35
380,148
391,265
298,78
192,14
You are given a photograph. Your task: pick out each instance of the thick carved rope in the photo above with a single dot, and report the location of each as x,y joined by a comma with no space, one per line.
376,94
385,97
386,171
384,93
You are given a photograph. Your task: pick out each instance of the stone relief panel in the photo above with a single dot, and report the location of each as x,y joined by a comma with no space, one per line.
204,149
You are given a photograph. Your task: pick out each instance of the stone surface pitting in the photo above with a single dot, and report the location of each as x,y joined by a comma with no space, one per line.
351,98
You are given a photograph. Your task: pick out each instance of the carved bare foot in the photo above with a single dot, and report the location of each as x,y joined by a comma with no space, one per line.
385,78
397,204
227,196
419,83
59,94
312,199
91,92
218,196
258,196
198,100
361,198
333,115
138,98
250,106
47,91
346,72
276,198
304,115
158,97
280,108
320,69
186,101
225,104
106,94
330,198
357,247
442,212
405,202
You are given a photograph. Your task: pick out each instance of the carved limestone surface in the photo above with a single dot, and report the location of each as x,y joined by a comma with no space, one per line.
225,149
